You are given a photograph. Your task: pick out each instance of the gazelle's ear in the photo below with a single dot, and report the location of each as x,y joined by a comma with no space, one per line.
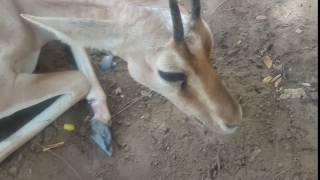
200,36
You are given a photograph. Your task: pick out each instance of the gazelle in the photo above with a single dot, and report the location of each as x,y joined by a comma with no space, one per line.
168,54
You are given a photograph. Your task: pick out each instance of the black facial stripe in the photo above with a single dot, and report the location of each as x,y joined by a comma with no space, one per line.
178,33
196,9
172,77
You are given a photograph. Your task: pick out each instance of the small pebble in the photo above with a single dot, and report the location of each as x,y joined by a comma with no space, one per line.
278,67
83,131
35,148
306,84
19,157
13,171
299,31
125,147
127,124
118,91
145,93
166,130
267,61
293,93
314,96
261,18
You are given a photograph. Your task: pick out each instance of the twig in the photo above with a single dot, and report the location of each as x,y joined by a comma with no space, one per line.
128,105
280,173
132,102
51,146
289,14
218,160
63,160
219,6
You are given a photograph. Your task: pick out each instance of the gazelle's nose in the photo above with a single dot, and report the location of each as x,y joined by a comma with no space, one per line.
232,126
229,128
237,121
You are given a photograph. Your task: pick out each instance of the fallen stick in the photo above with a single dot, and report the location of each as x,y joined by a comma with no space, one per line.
280,173
52,146
64,161
218,160
129,104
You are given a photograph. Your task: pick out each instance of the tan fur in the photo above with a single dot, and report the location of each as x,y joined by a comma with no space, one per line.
139,31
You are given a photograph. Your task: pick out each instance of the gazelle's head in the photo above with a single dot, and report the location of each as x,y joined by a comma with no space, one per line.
181,71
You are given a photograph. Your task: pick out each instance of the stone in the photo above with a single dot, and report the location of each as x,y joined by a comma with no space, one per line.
13,171
261,18
293,93
314,96
145,93
118,91
299,31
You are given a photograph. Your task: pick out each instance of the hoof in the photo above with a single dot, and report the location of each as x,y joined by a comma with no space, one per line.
101,135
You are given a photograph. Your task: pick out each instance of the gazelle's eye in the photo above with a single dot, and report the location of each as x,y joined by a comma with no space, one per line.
184,85
173,76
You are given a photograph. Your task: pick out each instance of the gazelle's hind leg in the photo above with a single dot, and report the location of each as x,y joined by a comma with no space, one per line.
31,89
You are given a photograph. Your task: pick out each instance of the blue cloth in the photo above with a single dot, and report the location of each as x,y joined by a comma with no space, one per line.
106,63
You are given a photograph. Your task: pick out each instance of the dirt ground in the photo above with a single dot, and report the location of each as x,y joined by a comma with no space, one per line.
153,140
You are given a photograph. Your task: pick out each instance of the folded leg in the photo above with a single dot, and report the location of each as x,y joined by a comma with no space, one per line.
58,28
31,89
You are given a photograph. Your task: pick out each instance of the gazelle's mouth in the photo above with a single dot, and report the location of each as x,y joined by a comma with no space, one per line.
225,129
220,127
231,130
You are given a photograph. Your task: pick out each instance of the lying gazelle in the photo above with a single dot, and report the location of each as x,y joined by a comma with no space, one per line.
169,57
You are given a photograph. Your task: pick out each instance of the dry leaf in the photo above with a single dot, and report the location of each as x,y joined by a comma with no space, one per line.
278,81
267,79
254,154
274,79
267,61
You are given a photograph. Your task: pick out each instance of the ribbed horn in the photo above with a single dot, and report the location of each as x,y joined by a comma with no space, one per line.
178,33
196,9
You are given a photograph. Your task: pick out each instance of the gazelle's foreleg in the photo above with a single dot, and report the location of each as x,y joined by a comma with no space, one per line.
101,121
64,30
31,89
96,96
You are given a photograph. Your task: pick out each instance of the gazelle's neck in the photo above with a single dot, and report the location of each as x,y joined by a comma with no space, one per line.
142,31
